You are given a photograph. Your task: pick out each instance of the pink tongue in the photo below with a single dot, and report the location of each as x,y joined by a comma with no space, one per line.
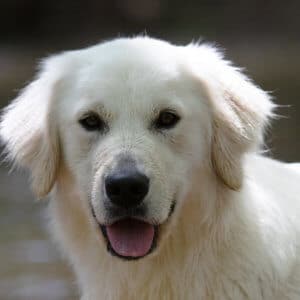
131,237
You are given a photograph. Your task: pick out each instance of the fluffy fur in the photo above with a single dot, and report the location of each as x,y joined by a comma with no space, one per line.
235,231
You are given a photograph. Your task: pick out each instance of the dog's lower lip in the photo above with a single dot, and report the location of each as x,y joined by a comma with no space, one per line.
130,238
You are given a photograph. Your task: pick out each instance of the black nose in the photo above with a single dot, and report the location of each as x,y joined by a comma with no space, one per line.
127,188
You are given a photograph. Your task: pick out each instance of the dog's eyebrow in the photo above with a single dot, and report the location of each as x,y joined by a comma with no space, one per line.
171,106
97,108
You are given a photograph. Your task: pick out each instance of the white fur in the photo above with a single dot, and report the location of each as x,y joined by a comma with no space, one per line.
235,232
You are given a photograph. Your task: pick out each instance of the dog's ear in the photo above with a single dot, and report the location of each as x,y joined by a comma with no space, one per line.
240,112
29,131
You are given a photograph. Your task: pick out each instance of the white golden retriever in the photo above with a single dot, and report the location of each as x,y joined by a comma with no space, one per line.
151,154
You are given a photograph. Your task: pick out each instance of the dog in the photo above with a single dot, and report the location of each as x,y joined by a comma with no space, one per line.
153,157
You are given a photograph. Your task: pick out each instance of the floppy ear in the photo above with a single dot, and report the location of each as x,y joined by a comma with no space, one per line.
28,128
240,112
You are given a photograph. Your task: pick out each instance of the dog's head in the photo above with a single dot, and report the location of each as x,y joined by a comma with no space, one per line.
132,121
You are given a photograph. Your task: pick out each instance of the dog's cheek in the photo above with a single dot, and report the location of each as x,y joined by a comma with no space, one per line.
80,168
97,195
168,185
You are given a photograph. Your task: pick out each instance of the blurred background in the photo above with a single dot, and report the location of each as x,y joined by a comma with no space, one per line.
260,35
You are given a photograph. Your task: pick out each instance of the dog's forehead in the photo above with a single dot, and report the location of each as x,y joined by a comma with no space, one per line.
129,65
128,73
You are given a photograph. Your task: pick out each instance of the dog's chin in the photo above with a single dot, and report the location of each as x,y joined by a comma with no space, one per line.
130,238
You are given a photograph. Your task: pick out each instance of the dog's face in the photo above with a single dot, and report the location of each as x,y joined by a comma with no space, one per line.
128,129
133,120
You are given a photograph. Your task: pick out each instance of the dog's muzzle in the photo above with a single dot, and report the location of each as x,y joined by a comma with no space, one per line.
129,231
128,234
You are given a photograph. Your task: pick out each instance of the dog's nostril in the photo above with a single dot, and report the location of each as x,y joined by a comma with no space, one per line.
113,190
127,188
137,189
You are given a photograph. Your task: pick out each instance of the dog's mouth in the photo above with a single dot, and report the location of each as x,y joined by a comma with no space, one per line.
130,238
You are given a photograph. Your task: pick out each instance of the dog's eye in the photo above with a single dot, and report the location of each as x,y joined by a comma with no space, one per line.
92,122
166,120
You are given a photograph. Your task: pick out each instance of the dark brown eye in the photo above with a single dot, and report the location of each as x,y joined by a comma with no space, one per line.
92,122
166,120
